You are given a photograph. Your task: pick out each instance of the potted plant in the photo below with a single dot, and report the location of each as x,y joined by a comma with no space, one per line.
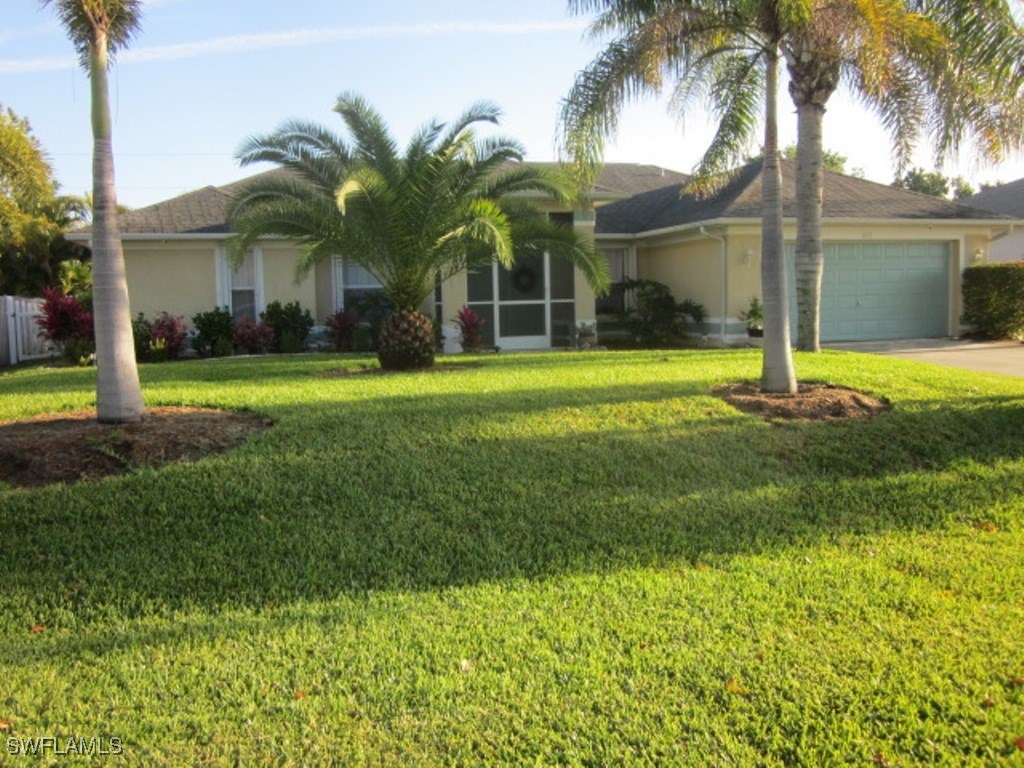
754,318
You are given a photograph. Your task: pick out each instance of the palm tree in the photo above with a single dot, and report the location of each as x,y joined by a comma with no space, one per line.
450,202
98,29
949,66
725,52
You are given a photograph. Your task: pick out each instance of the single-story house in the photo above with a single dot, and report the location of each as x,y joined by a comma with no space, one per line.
893,260
1007,199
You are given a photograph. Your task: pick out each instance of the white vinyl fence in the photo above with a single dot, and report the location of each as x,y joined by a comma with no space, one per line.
19,332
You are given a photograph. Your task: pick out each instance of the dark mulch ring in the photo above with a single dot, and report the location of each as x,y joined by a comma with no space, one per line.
813,402
376,370
68,447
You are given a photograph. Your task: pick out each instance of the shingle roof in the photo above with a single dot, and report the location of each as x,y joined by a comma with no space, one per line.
1006,198
199,212
204,211
845,197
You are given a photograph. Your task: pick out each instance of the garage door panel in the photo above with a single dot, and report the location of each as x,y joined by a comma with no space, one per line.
885,290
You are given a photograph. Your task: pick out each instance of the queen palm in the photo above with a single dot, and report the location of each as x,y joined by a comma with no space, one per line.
947,67
98,29
726,52
449,202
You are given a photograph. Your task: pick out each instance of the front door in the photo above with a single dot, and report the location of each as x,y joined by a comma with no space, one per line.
522,317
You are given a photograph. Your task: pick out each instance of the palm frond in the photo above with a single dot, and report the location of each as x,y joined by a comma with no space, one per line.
372,141
119,20
735,92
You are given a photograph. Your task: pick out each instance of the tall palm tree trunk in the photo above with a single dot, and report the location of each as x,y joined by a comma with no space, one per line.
118,394
777,373
813,77
810,255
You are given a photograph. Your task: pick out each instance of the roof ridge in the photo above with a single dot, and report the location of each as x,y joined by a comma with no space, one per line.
903,190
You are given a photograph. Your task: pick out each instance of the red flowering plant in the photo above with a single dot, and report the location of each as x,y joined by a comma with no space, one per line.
252,338
169,333
471,325
340,328
66,322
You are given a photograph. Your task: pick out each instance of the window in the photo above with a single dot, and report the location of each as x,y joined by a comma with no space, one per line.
352,283
243,289
240,288
614,302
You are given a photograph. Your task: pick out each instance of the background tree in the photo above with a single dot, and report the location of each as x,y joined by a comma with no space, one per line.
32,214
413,219
98,29
935,184
725,54
831,161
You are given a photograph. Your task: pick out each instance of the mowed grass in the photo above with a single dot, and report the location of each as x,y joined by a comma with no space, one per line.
553,559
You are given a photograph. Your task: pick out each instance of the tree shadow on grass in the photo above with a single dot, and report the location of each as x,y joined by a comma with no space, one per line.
410,494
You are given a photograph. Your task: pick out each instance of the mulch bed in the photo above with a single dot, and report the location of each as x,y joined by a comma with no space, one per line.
68,447
813,402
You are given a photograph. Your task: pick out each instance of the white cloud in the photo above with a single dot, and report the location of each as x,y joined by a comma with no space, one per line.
297,38
7,35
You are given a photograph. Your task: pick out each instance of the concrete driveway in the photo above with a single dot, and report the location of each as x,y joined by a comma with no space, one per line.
1005,357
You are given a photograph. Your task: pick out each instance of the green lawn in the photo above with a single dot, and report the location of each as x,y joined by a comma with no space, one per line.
552,559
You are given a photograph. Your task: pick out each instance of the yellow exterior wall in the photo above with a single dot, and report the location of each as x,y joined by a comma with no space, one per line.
692,269
454,296
744,272
585,298
323,279
279,278
180,278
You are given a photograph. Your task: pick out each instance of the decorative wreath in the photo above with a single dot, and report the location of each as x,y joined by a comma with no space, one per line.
524,279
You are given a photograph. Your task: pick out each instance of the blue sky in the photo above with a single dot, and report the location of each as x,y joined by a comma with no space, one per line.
204,74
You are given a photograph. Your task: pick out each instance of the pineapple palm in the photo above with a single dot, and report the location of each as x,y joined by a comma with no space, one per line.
449,203
407,340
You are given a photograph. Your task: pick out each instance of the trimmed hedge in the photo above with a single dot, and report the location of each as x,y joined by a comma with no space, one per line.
994,299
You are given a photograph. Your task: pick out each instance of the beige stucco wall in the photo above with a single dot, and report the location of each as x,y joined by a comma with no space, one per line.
692,269
1009,247
585,298
279,278
323,280
180,278
454,296
744,272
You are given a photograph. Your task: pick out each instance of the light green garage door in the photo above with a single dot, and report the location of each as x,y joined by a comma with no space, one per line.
881,291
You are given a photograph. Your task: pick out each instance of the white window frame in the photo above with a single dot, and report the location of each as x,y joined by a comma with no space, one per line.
340,286
224,272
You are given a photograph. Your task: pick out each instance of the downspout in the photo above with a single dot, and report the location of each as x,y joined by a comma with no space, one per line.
725,279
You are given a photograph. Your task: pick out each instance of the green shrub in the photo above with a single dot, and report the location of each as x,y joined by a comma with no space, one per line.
291,324
994,300
142,333
222,347
213,336
695,312
654,317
